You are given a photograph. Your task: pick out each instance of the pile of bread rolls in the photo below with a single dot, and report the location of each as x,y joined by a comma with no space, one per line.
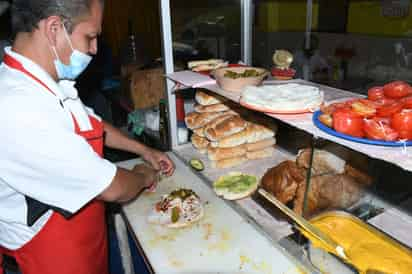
230,135
334,183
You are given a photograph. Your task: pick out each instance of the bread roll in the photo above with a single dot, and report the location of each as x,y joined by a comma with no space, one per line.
226,128
361,177
232,140
190,119
202,151
256,133
216,121
230,162
222,185
199,131
196,120
211,108
283,180
260,144
215,154
206,98
199,142
324,162
196,63
263,121
331,191
252,134
260,154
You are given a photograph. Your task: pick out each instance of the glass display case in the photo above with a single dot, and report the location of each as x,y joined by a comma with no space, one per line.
342,50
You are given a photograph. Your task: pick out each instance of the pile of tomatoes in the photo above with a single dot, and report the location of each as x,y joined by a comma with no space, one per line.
385,115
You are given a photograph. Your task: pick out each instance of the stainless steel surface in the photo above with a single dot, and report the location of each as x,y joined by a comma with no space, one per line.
327,263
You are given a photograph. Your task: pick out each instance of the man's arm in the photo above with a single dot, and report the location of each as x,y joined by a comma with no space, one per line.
127,184
118,140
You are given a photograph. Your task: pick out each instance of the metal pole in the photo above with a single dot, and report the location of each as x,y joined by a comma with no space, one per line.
167,51
306,66
246,30
309,6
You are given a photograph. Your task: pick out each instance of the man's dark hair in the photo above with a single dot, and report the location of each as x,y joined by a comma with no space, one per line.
26,14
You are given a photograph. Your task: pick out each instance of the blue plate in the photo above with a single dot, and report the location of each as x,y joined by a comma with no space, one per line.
330,131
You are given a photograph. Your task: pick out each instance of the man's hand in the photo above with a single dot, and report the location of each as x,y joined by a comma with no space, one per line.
150,175
159,161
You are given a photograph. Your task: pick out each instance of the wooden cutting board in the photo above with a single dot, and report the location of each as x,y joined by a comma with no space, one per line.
222,242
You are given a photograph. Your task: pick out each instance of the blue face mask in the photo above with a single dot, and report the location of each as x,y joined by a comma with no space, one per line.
78,62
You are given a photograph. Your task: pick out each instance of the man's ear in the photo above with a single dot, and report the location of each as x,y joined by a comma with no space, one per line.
51,26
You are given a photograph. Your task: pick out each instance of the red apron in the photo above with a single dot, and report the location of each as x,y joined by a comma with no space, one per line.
74,246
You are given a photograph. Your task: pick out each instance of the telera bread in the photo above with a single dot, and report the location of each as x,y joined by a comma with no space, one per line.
196,120
199,131
206,98
211,108
230,162
216,121
260,154
259,145
252,134
199,142
226,128
215,154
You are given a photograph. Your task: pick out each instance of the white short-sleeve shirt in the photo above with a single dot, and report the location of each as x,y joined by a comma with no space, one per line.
41,156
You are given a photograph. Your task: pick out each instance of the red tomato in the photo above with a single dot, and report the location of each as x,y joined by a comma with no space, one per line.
158,206
348,122
364,108
349,102
384,101
379,131
389,109
383,120
329,109
397,89
405,135
402,122
375,93
407,101
368,103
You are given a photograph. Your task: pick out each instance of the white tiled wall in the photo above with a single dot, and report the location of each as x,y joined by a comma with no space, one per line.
375,56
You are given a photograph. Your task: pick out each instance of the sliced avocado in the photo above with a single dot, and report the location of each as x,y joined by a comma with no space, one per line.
236,183
197,164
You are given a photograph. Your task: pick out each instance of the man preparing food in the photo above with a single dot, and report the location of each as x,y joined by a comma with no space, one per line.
53,180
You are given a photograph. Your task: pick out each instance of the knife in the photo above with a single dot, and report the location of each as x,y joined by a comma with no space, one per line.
305,225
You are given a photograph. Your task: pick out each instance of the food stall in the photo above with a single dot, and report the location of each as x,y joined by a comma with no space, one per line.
348,225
